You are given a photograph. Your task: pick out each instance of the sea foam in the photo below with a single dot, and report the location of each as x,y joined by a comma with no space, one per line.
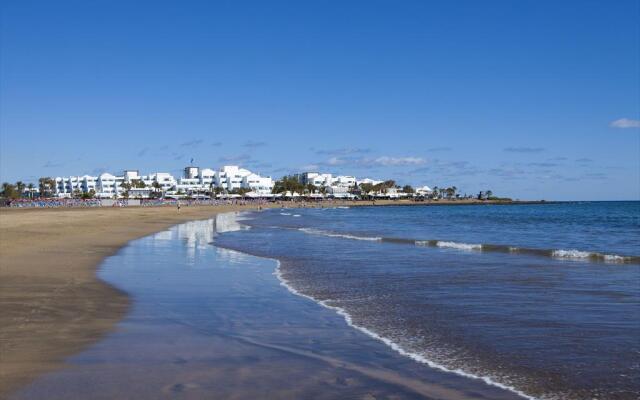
340,235
459,246
393,345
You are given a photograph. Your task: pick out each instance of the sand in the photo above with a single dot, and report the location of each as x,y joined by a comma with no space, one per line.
51,303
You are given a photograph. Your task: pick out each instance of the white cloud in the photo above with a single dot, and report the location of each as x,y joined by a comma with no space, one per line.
335,161
310,167
393,161
625,123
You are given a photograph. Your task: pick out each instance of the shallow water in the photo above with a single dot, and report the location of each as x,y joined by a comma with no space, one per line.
207,322
544,299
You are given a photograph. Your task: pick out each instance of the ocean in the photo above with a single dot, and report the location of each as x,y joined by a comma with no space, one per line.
542,300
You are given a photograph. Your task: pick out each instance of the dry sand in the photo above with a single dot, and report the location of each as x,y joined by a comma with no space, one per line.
51,303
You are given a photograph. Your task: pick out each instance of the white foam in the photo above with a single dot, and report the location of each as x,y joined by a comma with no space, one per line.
459,246
614,258
573,254
393,345
340,235
422,243
296,215
284,213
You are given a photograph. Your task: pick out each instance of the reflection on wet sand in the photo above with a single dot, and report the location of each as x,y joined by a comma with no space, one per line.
211,331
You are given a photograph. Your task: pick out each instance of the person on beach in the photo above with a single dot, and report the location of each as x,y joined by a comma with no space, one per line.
178,205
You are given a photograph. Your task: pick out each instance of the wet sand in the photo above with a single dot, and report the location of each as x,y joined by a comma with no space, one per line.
214,323
52,304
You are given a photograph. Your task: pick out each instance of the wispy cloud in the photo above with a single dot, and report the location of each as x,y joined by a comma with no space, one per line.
369,162
625,123
543,164
98,171
310,167
595,175
524,149
448,169
259,164
584,160
192,143
439,149
386,161
216,144
253,144
344,151
236,159
143,152
52,164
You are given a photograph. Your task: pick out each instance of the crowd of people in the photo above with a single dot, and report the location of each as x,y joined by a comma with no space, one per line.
52,203
69,202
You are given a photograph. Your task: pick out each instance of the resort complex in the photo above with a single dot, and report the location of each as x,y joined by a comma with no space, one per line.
229,180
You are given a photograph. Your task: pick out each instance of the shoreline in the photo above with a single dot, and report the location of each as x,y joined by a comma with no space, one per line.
255,331
52,303
377,337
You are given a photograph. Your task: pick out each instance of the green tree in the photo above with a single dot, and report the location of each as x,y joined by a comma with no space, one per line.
138,183
408,189
125,186
366,188
89,195
20,186
46,185
288,184
9,191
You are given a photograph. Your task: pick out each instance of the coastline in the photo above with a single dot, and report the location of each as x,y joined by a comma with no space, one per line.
52,304
255,340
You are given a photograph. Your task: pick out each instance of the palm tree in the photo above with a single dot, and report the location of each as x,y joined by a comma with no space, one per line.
30,186
46,186
20,186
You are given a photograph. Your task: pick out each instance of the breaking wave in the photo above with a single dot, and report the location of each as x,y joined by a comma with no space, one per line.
562,254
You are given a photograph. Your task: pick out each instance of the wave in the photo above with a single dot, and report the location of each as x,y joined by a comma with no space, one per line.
393,345
339,235
459,246
562,254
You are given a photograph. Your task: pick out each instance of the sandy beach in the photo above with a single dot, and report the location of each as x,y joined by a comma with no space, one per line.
51,303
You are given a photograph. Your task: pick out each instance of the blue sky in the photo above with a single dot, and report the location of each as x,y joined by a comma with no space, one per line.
520,97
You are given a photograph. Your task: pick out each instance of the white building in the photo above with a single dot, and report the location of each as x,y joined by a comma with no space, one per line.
368,181
259,185
315,179
196,181
344,180
424,191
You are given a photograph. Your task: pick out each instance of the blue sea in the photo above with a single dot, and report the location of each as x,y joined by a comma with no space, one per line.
543,300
